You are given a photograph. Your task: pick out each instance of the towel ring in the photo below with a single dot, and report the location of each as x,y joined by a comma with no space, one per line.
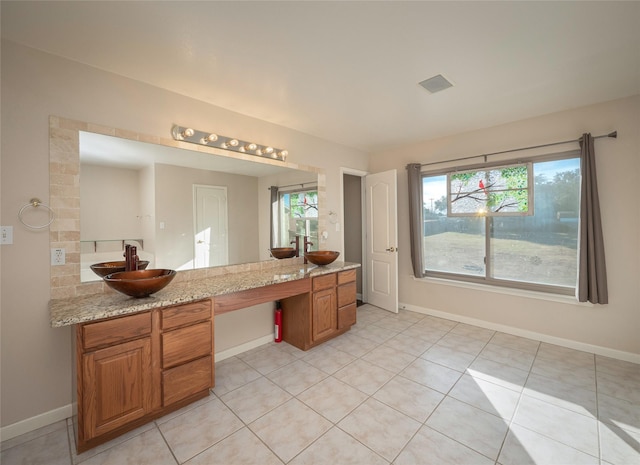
35,203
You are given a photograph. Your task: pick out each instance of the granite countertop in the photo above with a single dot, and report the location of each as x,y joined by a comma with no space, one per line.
65,312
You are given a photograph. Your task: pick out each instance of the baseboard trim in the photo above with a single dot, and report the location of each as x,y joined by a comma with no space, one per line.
571,344
31,424
228,353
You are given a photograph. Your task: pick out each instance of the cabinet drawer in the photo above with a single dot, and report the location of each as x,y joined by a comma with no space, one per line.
347,316
183,345
346,276
116,330
185,380
181,315
346,294
324,282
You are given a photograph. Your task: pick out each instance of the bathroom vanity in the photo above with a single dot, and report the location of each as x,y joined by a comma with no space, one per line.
139,359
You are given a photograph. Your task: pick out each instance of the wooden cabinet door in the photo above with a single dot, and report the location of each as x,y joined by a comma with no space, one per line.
117,386
324,314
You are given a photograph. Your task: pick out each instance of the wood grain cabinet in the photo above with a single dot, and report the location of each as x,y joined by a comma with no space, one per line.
135,368
324,318
328,311
346,298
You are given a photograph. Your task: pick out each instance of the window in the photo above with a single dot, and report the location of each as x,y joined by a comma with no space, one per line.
298,215
533,247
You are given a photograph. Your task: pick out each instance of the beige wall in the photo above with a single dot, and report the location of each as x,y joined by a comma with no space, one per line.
36,359
614,326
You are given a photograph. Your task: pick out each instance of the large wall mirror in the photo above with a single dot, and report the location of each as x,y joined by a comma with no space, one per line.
183,207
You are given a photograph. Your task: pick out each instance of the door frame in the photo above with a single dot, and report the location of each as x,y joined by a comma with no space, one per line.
361,174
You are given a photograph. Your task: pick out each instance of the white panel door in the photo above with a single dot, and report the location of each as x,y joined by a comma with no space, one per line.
211,243
382,240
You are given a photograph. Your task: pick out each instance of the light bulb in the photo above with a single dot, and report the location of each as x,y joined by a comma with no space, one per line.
268,150
188,132
233,142
209,138
259,152
283,154
250,146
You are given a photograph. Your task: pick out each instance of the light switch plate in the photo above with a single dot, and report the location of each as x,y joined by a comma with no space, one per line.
6,235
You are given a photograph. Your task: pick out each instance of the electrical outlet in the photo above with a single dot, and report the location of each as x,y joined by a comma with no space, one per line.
6,235
57,257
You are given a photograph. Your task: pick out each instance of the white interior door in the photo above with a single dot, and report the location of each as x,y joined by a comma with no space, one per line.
382,240
210,216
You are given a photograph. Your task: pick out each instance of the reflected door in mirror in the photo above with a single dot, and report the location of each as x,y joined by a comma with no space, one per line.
210,213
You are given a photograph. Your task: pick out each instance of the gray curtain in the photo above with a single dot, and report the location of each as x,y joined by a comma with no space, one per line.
415,218
592,273
274,216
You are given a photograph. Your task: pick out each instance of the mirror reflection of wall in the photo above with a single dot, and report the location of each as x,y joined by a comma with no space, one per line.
112,214
176,241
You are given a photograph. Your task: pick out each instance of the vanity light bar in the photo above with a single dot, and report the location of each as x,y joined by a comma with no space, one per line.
227,143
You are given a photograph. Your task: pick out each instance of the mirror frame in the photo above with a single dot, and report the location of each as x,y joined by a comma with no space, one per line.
64,200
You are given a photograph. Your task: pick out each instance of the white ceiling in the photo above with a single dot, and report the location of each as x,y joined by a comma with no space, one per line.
349,71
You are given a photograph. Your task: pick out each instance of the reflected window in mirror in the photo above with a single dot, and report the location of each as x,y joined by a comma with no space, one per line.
298,216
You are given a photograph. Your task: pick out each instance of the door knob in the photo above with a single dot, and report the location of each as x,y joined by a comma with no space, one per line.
392,249
200,242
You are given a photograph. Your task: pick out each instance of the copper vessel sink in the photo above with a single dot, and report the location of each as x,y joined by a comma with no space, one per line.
140,283
283,252
105,268
321,257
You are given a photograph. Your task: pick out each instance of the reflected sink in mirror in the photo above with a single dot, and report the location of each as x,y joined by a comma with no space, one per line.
140,283
283,252
105,268
321,257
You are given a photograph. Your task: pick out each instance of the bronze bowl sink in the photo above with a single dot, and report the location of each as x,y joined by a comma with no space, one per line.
105,268
140,283
283,252
321,257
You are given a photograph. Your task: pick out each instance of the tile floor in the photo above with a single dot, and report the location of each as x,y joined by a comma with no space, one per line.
402,389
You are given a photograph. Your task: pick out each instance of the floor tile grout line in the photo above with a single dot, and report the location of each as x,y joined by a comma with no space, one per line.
515,410
356,439
522,395
169,446
595,369
448,395
70,443
246,425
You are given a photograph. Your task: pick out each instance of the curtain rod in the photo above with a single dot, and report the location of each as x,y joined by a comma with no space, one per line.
294,185
613,135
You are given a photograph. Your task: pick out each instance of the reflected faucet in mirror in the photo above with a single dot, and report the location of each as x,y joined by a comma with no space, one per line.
307,243
296,241
131,258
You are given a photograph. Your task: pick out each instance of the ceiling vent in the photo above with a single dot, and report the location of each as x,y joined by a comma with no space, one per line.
436,83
